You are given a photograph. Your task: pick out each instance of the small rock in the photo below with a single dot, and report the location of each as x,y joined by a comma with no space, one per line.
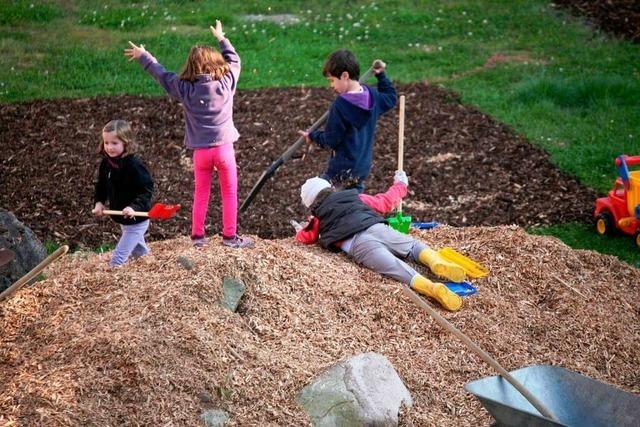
187,263
232,292
214,418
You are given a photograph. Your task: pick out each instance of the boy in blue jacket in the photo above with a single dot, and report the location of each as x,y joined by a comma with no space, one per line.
351,124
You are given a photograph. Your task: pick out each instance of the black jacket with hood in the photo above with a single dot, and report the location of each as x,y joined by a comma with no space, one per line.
124,181
342,214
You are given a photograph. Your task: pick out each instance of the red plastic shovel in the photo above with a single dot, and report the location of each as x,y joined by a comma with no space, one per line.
158,211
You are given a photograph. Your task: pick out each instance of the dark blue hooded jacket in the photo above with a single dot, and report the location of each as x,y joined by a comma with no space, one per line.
350,131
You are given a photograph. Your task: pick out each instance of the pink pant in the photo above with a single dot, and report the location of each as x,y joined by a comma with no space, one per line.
205,160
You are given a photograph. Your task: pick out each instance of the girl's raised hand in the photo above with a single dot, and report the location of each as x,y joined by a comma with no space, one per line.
217,31
134,52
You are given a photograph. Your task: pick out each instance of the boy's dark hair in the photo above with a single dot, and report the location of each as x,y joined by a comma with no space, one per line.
340,61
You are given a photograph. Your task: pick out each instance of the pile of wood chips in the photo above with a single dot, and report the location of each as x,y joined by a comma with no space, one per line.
147,344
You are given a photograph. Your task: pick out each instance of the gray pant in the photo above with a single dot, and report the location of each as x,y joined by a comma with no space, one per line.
131,243
378,248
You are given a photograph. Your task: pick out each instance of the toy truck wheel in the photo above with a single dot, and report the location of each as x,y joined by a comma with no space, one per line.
604,223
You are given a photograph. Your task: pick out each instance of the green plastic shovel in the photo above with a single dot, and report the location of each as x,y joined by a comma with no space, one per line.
400,222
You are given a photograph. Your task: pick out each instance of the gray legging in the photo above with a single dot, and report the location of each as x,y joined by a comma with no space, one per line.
378,248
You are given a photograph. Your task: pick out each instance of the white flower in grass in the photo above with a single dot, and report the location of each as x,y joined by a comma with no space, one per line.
349,17
484,21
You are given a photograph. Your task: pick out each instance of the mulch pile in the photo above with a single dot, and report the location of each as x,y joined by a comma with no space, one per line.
619,17
464,168
148,344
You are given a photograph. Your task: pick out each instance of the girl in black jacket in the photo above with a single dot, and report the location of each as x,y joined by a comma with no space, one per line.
125,183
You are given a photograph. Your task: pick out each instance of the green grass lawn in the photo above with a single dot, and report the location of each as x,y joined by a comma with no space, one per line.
571,90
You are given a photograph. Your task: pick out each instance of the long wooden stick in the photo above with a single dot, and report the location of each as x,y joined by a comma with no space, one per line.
401,141
111,212
34,272
483,355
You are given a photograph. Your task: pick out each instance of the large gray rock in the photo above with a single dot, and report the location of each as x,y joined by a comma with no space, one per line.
362,391
28,250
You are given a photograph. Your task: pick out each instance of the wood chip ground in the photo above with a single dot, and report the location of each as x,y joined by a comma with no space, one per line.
147,344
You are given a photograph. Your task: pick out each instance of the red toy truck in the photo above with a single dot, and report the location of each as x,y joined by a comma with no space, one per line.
620,210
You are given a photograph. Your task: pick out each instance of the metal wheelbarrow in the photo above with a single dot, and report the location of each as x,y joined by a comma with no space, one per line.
542,395
576,400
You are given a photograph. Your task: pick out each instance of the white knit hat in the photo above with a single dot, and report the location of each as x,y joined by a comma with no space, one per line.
311,188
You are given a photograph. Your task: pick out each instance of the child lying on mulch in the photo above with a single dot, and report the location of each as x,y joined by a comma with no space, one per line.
351,222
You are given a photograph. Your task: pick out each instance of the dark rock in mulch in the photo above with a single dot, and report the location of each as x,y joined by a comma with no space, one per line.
25,247
464,168
619,17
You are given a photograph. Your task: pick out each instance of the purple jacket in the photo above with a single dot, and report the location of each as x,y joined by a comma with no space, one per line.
207,104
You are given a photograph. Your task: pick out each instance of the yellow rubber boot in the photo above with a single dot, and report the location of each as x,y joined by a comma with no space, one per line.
438,291
441,267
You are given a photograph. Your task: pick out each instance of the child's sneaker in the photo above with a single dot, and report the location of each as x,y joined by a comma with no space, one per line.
238,242
199,241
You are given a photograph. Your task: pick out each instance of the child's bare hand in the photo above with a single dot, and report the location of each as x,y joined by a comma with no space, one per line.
134,52
378,66
217,31
98,209
128,212
306,136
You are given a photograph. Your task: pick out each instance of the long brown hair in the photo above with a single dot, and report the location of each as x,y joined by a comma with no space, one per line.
204,60
124,132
